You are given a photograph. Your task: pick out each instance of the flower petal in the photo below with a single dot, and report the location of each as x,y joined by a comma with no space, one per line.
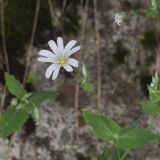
54,47
68,68
56,72
60,45
50,70
44,59
73,50
69,46
73,62
46,53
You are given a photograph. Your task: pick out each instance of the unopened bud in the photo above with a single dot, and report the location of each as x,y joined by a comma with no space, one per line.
14,102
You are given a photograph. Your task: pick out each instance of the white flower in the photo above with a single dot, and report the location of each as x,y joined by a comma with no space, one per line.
59,57
118,19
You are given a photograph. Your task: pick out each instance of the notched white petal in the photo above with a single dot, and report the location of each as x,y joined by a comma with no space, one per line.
55,73
46,53
53,46
49,71
73,50
73,62
68,68
69,46
60,44
44,59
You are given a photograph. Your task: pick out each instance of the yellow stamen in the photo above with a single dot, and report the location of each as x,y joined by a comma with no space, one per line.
62,61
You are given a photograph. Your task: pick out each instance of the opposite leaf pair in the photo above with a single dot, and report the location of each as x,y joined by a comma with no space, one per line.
15,117
123,138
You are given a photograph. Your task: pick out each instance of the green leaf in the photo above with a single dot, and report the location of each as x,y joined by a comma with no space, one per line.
32,78
149,106
84,72
154,4
154,95
104,127
135,138
12,120
154,89
38,97
36,115
111,154
155,84
158,4
104,156
123,14
88,87
152,13
14,86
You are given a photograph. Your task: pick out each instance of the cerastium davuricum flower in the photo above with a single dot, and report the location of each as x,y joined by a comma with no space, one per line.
59,57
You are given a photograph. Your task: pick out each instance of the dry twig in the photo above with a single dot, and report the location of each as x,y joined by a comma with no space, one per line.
54,17
30,47
64,5
76,102
98,54
4,47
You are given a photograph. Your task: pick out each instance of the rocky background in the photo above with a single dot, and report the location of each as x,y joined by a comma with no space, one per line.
120,61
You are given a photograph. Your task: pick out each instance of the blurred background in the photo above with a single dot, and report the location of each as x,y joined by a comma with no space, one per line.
120,61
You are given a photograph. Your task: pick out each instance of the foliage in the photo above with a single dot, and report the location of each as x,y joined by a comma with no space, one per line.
87,86
152,105
17,114
32,78
111,154
26,104
126,138
153,12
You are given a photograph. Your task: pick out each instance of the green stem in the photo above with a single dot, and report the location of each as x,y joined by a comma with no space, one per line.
124,155
6,156
136,121
117,151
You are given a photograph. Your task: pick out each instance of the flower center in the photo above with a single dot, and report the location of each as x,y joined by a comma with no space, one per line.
62,61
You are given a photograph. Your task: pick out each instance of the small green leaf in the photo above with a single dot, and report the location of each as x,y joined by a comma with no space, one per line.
155,84
104,127
14,86
152,13
84,73
135,138
88,87
154,95
36,115
149,106
32,78
105,155
12,120
123,14
38,97
111,154
154,4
